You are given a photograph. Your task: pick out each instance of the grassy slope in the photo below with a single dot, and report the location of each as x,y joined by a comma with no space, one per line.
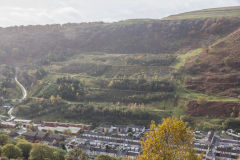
208,13
182,58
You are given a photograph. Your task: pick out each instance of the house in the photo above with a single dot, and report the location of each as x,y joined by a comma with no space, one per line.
8,124
23,122
121,128
40,136
30,136
54,137
58,124
106,128
13,134
59,129
134,129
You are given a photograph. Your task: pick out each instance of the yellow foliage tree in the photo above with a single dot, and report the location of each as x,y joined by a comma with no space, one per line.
42,99
52,99
201,100
170,140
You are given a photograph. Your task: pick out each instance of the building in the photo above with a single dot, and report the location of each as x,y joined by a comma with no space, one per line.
123,129
13,134
54,137
58,124
218,147
40,136
23,122
61,130
8,124
134,129
30,136
95,143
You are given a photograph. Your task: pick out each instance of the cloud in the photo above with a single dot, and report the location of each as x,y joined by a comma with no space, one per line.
25,12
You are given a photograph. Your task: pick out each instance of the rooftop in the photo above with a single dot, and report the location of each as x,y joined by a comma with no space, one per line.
74,130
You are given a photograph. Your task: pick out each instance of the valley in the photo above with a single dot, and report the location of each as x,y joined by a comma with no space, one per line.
127,72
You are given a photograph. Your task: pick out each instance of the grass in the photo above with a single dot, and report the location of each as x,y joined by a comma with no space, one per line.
207,13
182,58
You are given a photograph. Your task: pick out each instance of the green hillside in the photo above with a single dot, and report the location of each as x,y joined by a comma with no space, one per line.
229,12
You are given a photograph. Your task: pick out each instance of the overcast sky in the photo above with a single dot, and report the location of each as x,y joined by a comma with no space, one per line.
25,12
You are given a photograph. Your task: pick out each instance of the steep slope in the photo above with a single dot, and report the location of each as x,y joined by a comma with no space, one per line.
56,42
216,70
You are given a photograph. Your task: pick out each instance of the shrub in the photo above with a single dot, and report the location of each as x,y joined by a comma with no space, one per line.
228,62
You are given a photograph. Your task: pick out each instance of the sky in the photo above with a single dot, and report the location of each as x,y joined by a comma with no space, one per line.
32,12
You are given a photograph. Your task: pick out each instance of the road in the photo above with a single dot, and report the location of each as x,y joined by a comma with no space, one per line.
24,93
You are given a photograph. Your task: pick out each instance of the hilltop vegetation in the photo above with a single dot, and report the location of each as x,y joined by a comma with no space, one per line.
227,12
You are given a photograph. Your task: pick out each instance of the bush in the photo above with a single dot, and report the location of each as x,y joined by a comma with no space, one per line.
11,151
228,62
104,157
201,100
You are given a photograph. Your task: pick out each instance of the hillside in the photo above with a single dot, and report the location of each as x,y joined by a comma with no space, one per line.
216,69
208,13
57,42
129,72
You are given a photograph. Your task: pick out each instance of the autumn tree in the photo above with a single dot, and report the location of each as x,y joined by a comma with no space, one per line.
67,132
52,99
201,100
170,140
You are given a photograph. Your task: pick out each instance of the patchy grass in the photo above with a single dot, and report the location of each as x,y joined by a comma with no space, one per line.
182,58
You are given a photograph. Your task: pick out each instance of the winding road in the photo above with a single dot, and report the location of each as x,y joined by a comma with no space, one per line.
24,93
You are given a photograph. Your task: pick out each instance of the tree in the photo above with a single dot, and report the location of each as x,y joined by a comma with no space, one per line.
11,151
59,154
52,99
41,152
49,131
62,145
201,100
25,148
76,154
104,157
228,61
4,139
168,141
67,132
